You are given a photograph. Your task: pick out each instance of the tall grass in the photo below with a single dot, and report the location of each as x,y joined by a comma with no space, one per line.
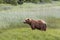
28,34
13,16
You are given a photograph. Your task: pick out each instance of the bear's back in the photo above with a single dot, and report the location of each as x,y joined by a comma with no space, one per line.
42,21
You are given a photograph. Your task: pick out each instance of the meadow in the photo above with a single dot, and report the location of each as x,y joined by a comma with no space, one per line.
13,28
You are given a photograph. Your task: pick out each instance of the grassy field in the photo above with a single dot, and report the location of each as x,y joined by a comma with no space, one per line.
13,28
28,34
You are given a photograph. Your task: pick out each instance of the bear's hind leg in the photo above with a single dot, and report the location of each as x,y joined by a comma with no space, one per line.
44,27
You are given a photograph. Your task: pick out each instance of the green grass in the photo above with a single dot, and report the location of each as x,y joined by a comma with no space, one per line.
13,28
28,34
13,16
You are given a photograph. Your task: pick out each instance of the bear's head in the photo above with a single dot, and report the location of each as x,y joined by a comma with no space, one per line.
27,20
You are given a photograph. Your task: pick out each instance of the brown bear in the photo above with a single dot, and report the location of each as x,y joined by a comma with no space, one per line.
36,24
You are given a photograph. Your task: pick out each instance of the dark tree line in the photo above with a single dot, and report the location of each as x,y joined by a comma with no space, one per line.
15,2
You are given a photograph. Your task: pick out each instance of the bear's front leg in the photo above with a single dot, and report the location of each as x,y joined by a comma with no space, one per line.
32,26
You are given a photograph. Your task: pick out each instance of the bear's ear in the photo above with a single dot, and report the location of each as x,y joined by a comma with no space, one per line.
28,19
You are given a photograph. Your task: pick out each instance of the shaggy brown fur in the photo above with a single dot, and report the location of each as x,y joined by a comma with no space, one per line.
36,24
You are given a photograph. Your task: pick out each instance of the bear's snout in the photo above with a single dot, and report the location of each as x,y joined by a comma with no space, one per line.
24,21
